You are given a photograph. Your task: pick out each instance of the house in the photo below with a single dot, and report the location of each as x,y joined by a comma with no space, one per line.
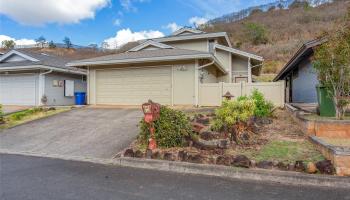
167,70
33,79
300,76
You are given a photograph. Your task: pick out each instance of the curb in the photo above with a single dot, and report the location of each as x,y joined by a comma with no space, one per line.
281,177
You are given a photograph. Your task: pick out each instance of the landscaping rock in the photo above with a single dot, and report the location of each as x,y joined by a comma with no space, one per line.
148,153
196,158
265,164
299,166
325,167
262,120
168,156
208,135
203,120
156,155
129,153
223,160
252,163
241,161
138,154
182,155
213,144
291,167
282,166
311,168
197,127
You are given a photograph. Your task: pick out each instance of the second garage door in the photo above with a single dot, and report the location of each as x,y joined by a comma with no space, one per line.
18,90
134,86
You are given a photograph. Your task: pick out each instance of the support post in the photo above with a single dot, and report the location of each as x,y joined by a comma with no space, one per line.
249,71
196,84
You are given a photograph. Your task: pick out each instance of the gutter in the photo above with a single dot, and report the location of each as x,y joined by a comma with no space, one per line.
80,72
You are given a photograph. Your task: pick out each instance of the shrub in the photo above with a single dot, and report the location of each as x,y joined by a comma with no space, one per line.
171,129
263,107
256,33
20,115
232,112
1,115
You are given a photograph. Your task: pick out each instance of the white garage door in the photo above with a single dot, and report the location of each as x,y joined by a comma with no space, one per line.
18,90
133,86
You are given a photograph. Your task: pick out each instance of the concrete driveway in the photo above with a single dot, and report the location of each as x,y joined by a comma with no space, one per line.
11,109
85,132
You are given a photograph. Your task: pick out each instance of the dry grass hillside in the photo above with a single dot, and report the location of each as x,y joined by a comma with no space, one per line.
286,30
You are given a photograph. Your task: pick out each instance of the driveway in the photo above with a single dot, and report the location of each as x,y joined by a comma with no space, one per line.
85,132
11,109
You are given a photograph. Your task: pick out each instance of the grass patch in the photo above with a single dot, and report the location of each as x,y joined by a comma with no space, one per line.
285,151
29,115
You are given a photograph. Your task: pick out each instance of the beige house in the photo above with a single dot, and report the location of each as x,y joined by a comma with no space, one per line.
168,70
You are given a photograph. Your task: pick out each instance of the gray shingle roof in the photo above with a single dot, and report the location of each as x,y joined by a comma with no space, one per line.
142,54
44,59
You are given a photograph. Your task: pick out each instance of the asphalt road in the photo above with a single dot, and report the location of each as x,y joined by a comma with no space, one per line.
24,178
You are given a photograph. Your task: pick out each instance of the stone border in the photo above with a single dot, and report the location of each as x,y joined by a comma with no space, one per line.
261,175
340,156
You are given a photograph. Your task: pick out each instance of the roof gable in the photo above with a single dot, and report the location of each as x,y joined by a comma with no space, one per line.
16,56
151,45
186,31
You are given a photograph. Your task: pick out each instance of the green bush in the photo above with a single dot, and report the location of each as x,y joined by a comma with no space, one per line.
256,33
171,129
263,107
1,115
232,112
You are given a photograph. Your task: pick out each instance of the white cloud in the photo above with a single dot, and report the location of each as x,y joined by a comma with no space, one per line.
128,5
197,21
124,36
39,12
173,27
22,41
117,22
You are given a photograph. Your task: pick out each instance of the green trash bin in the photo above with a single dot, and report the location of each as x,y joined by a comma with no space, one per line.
325,102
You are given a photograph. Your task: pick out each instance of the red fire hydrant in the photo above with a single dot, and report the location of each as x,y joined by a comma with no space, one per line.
151,111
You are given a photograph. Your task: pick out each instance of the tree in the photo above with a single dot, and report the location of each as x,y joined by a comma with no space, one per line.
332,63
67,42
8,44
299,4
40,41
256,33
52,44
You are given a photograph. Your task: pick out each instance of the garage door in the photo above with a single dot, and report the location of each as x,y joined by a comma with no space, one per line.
18,90
133,86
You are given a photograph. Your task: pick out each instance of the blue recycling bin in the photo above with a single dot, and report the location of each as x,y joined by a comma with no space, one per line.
80,98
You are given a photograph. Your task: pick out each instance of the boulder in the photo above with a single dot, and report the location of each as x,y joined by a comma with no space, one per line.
299,166
223,160
197,127
208,135
212,144
203,120
325,167
282,166
264,164
148,153
138,154
311,168
156,155
262,120
182,155
168,156
241,161
195,158
291,167
129,153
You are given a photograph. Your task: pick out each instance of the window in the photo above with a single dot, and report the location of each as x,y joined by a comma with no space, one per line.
211,45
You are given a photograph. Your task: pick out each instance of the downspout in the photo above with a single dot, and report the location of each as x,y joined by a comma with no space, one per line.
42,86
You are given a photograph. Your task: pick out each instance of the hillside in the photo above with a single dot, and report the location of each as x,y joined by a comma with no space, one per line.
285,30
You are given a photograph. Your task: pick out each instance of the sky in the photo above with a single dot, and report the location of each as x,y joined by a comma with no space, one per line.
113,22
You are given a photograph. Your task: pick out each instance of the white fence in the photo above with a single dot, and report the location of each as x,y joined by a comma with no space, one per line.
210,94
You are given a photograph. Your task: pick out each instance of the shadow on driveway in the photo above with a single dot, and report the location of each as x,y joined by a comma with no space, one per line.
85,132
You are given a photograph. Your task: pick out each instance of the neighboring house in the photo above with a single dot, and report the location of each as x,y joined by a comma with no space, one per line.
300,76
167,70
26,78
